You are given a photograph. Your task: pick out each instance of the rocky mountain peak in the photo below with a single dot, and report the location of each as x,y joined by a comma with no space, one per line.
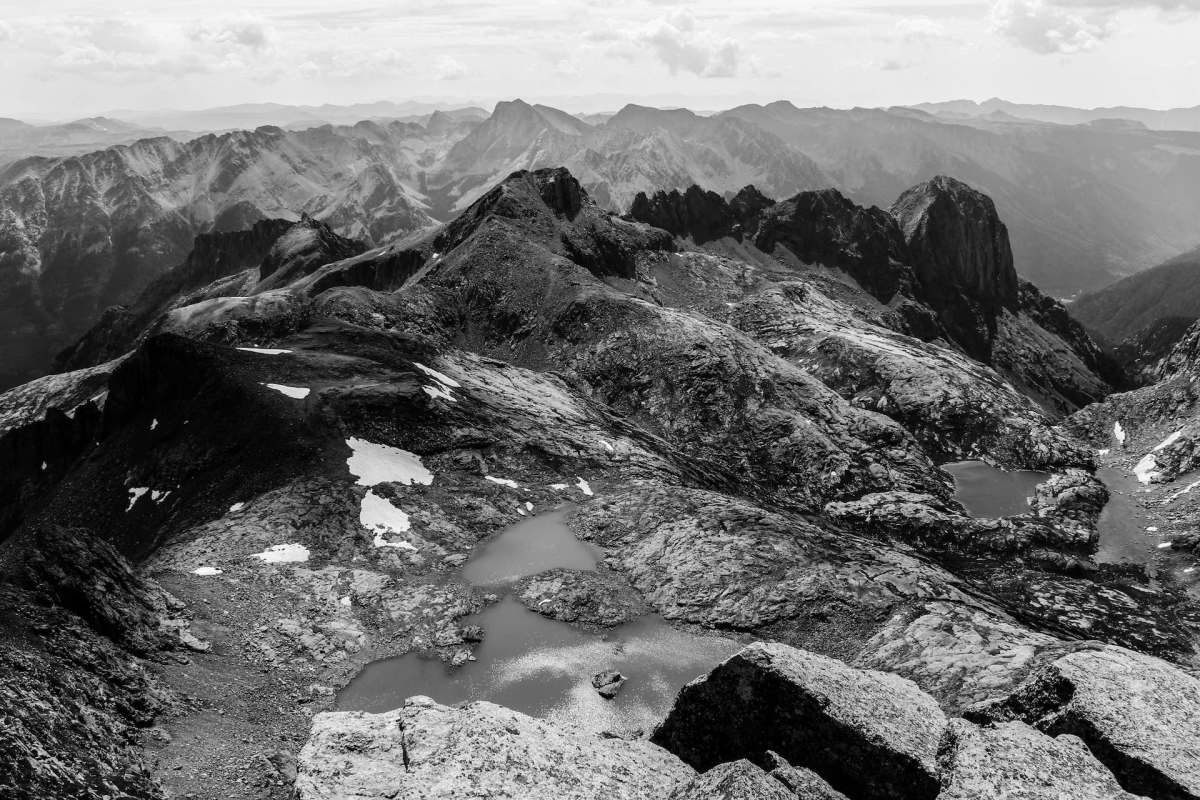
826,227
560,191
957,239
699,214
644,119
308,245
960,252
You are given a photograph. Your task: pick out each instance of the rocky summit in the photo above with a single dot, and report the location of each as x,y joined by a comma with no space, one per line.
547,500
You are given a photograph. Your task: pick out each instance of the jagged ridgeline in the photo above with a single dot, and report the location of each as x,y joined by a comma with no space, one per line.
268,472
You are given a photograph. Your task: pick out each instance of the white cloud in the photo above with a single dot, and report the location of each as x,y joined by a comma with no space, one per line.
347,64
920,29
681,45
447,68
1071,26
1045,28
110,47
232,33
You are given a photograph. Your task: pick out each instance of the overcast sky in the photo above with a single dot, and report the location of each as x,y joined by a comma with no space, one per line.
69,59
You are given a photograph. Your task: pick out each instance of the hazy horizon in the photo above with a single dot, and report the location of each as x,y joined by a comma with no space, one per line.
65,59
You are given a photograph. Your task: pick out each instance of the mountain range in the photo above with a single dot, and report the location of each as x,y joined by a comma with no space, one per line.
1084,204
265,479
1170,119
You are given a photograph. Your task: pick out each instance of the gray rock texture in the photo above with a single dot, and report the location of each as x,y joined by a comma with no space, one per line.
479,750
1012,761
1138,714
869,734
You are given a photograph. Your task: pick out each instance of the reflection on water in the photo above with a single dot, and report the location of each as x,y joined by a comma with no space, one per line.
1123,523
987,491
529,547
544,668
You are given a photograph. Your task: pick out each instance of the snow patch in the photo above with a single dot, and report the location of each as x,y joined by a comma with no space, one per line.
1103,452
135,494
439,391
236,507
375,463
502,481
1164,545
344,600
1119,433
283,554
520,511
377,514
158,496
607,445
206,571
443,386
295,392
558,487
583,486
265,351
440,377
528,506
1145,470
44,465
154,423
1153,529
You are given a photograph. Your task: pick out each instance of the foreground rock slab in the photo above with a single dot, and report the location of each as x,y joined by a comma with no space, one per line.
738,780
1139,714
480,750
869,734
1012,760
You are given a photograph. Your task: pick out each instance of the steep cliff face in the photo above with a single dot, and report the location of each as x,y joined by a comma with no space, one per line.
963,262
826,228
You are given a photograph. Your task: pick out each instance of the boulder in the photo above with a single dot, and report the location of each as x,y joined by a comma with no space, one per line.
1012,760
608,683
1138,714
871,735
801,782
432,751
737,780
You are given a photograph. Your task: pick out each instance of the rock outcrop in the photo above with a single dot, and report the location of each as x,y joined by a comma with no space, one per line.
1138,714
427,750
869,734
940,260
703,216
1012,759
736,780
960,250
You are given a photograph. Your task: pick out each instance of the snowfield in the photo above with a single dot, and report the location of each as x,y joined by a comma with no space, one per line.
378,515
374,463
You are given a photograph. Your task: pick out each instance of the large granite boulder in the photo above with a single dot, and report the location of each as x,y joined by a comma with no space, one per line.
481,750
1013,761
1138,714
871,735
